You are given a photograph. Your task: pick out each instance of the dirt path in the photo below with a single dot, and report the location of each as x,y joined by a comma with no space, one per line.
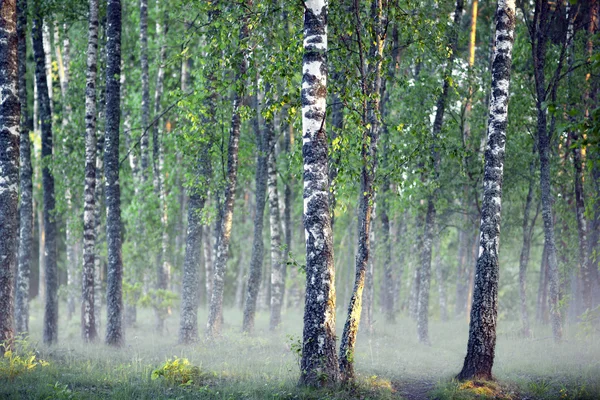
414,389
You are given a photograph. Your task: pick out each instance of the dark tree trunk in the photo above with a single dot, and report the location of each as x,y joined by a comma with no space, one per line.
318,366
482,327
215,312
10,115
539,42
88,317
51,308
524,259
256,260
26,183
114,289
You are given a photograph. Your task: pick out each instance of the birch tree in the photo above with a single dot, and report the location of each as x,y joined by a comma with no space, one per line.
26,184
10,115
88,317
318,365
482,327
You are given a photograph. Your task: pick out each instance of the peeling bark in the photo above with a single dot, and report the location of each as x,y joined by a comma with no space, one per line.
318,366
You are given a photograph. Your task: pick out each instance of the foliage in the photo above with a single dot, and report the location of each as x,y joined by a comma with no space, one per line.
18,359
179,371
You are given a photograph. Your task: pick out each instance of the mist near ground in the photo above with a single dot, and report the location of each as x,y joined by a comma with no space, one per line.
390,361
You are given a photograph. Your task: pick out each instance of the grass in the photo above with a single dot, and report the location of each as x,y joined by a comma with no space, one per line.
265,365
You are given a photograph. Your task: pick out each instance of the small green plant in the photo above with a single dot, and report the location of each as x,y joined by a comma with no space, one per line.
589,323
18,359
179,371
295,343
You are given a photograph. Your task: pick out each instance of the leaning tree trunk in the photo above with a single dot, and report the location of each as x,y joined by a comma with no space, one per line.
277,266
539,42
10,115
371,92
258,247
423,302
524,258
318,365
26,184
215,312
482,327
51,308
88,317
114,289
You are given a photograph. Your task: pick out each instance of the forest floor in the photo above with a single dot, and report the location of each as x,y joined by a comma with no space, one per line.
391,363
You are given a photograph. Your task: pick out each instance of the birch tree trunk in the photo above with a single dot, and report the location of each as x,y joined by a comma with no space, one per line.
277,266
482,327
10,116
51,306
256,260
318,366
371,93
88,317
114,290
26,183
215,312
441,279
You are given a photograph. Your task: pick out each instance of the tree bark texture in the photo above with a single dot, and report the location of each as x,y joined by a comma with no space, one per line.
114,289
50,254
538,47
88,317
482,327
26,184
10,115
318,366
215,312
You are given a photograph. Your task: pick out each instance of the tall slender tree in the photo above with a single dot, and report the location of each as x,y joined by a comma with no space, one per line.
26,184
9,165
258,246
482,327
215,312
114,290
370,76
88,317
45,114
318,365
539,41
